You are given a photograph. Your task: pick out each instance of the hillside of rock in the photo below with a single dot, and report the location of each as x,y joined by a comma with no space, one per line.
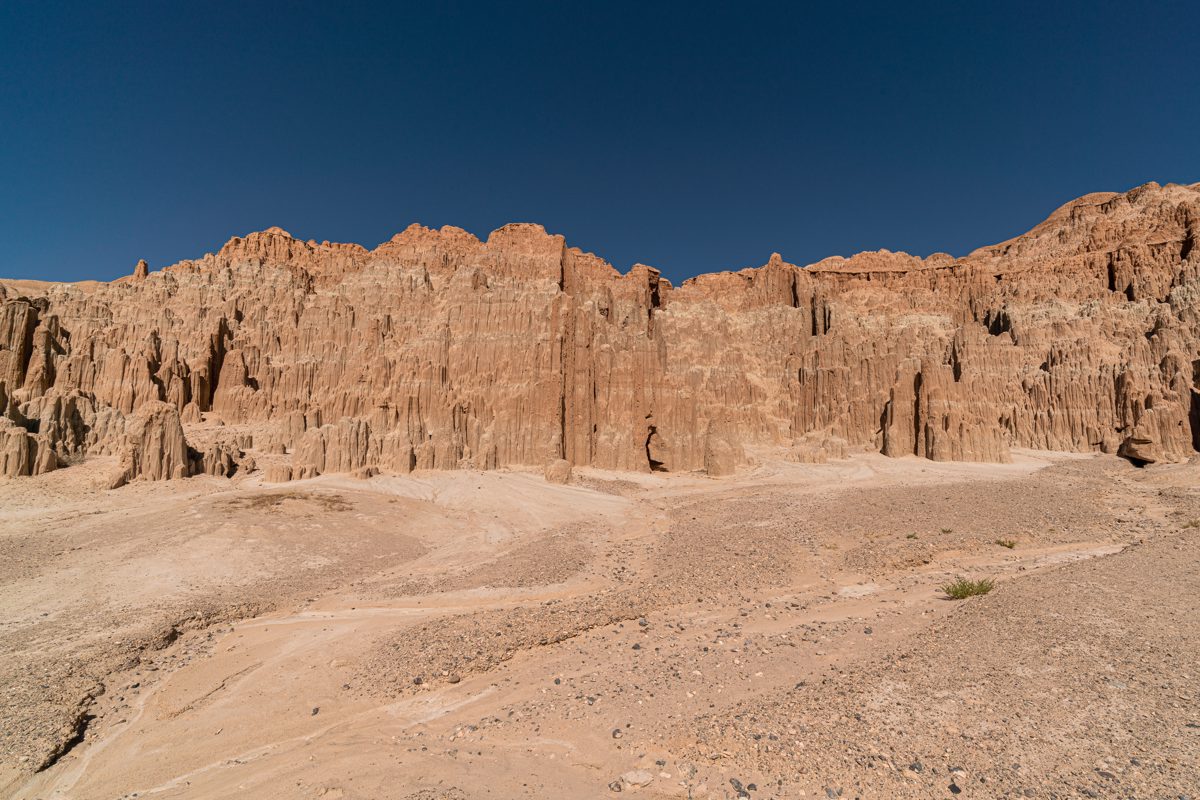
437,350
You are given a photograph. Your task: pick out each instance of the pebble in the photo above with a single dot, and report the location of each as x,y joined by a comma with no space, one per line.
637,777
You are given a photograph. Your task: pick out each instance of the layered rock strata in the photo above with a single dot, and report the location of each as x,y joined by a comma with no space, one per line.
437,350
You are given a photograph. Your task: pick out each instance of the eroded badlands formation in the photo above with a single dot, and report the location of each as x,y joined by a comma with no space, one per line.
437,350
536,592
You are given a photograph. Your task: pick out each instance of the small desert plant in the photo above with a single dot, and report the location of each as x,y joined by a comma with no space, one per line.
1009,543
1195,523
911,536
962,588
947,530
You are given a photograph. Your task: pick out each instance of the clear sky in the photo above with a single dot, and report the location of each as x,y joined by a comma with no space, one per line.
693,137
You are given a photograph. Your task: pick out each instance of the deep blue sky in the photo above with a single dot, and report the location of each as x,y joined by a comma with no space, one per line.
692,137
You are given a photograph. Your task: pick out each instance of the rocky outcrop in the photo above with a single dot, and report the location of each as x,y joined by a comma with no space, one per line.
18,450
722,449
437,350
818,447
155,446
277,473
558,471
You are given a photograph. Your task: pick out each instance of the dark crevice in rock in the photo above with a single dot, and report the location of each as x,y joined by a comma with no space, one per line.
655,465
78,731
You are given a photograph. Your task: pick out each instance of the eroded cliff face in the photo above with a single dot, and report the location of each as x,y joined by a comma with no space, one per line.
437,351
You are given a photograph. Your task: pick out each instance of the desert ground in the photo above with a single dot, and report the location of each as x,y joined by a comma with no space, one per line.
486,634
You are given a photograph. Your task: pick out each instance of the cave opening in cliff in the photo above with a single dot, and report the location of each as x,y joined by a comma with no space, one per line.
1140,463
652,444
1194,406
997,322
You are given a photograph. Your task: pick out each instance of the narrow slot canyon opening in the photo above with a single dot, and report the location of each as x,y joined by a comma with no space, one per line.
655,302
917,432
1194,406
651,446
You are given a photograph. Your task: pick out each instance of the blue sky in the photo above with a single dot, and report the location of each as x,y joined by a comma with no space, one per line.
692,137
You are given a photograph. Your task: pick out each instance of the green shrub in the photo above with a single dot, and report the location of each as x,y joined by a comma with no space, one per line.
1009,543
962,588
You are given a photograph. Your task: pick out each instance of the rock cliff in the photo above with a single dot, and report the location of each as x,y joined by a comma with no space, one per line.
437,350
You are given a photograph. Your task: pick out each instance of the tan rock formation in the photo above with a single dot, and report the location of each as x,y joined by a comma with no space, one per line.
155,446
18,450
437,350
558,471
722,449
277,473
818,447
